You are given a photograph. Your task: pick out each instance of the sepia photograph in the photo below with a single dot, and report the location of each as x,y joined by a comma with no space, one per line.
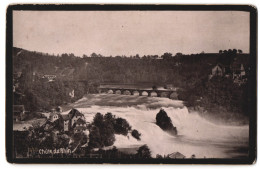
131,84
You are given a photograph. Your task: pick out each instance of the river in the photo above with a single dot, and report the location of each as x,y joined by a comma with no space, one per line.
196,136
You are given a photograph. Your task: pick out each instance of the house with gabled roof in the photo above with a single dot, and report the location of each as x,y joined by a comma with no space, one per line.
66,122
218,70
74,115
54,116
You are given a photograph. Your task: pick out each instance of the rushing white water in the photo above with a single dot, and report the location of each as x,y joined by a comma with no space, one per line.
195,134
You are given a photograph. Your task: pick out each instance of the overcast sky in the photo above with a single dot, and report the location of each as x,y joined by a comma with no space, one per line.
130,32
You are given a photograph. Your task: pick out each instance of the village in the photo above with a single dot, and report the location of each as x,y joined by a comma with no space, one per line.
236,72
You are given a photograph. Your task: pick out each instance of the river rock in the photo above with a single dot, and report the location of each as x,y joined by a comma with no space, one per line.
165,122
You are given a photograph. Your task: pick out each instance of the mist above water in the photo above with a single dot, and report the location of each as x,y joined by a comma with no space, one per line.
195,134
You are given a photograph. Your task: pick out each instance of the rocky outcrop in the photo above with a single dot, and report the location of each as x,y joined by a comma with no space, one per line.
165,122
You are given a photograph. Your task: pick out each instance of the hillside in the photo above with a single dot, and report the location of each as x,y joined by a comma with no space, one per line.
53,78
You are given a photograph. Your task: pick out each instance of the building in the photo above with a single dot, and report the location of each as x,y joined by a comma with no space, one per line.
65,122
238,73
176,155
54,116
80,122
18,112
218,70
74,115
79,129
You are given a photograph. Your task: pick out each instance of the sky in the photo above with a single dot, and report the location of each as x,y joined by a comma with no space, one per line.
130,32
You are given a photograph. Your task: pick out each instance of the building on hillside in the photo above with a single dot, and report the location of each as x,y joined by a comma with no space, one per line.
59,109
18,112
176,155
238,73
218,70
74,115
66,122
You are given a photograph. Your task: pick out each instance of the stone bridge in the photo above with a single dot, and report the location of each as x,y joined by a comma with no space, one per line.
159,93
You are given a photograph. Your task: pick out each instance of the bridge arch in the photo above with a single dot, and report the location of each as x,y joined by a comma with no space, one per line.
143,93
135,92
110,91
126,92
117,91
165,94
154,94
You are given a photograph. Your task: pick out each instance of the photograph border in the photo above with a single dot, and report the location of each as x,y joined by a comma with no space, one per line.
132,7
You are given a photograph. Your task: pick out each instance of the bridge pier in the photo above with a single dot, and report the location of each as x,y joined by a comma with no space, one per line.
140,93
114,91
149,93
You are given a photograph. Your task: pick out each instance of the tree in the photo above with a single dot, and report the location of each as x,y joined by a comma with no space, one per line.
166,55
178,54
109,117
105,127
143,152
121,126
137,56
95,138
84,56
154,87
98,120
107,133
94,55
159,156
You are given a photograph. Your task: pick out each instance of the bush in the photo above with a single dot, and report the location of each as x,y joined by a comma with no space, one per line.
165,123
136,134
